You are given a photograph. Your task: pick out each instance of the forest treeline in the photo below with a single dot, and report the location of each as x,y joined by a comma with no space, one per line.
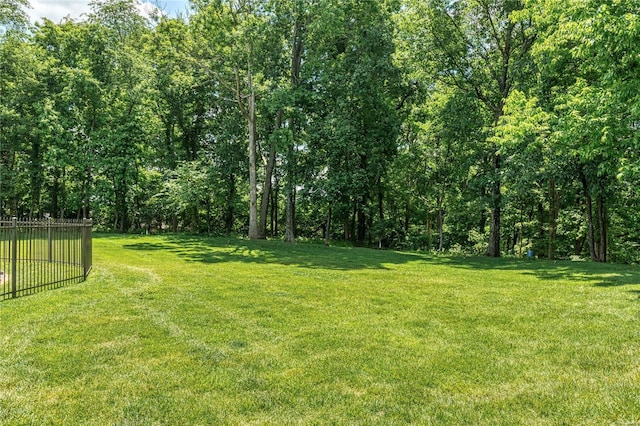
481,126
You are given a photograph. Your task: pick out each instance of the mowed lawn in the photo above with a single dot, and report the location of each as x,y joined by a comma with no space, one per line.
181,331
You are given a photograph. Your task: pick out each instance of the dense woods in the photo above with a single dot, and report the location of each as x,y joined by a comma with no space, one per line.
478,126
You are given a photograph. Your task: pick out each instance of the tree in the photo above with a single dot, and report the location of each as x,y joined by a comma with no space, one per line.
229,29
588,60
73,54
17,81
534,169
478,47
27,122
352,85
286,26
123,132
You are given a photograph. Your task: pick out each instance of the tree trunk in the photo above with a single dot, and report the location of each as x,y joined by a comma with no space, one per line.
275,208
440,201
483,222
327,233
554,207
208,206
407,215
55,191
63,195
578,246
589,211
85,198
229,210
496,201
195,219
289,232
602,228
362,223
296,63
516,235
494,233
121,211
520,233
268,175
290,210
36,179
347,222
353,230
381,215
253,185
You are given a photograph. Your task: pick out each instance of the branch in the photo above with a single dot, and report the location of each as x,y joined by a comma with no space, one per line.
238,91
494,30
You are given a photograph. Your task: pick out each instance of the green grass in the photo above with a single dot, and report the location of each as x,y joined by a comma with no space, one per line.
176,330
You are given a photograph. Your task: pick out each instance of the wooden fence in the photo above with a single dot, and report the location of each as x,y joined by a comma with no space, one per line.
37,255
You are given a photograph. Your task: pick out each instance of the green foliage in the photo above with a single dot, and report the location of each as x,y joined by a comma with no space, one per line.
353,137
436,125
13,16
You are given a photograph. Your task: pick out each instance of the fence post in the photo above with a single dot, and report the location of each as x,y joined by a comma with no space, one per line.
86,246
49,251
14,256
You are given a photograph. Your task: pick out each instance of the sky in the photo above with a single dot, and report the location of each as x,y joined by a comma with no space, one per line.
56,10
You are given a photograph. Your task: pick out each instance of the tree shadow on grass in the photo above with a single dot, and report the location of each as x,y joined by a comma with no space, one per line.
600,274
146,246
210,250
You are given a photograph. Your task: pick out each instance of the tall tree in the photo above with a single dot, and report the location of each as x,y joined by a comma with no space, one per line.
477,46
124,86
284,40
353,82
587,55
27,121
230,31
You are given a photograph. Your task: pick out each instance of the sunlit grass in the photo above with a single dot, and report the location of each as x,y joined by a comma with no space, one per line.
171,330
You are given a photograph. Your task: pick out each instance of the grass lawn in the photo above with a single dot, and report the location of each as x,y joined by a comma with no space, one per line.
177,330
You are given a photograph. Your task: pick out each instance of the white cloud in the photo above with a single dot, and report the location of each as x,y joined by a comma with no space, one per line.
56,10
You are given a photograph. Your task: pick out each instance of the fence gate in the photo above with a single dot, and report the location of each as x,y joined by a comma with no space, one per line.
36,255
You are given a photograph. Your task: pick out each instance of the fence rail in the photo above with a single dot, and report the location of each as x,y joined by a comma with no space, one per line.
37,255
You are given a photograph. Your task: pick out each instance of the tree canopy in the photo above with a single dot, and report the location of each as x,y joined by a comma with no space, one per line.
481,126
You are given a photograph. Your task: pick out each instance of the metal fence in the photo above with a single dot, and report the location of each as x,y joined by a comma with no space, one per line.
37,255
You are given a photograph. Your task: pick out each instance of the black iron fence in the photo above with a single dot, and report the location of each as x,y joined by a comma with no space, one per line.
37,255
